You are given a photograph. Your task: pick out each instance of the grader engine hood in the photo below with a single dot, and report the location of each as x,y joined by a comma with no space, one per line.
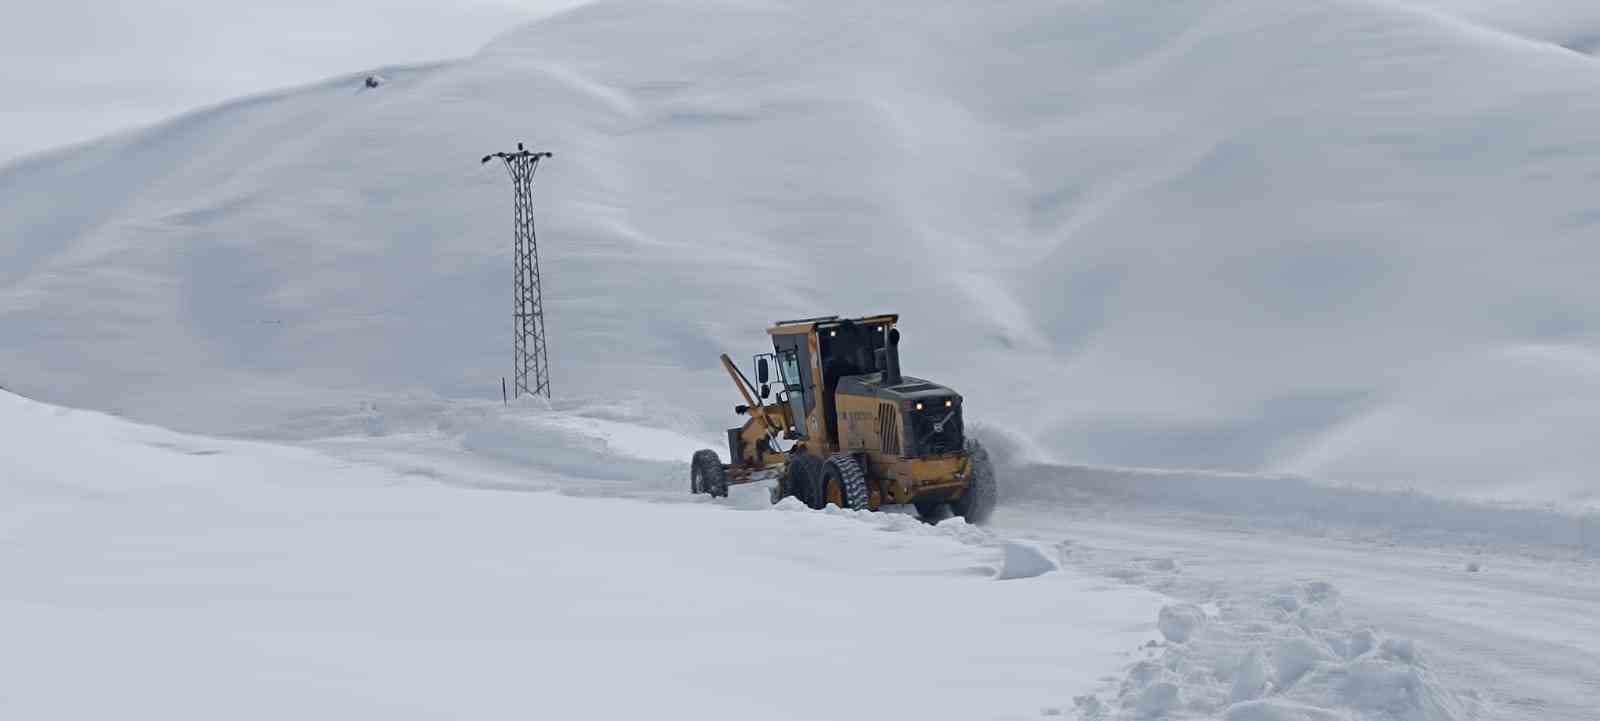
929,413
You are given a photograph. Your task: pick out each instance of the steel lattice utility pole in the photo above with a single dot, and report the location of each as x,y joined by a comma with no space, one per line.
531,351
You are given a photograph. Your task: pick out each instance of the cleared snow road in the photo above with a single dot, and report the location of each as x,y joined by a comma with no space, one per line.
1322,603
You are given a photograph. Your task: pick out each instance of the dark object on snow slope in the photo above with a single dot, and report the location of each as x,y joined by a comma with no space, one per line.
864,434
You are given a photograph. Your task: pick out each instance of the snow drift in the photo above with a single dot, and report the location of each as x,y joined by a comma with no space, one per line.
152,574
1350,239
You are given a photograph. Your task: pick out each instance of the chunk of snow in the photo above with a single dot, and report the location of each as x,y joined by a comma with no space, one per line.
1293,657
1250,679
1257,664
1280,710
1157,699
791,504
957,527
1023,559
1400,691
1179,622
1353,644
1403,650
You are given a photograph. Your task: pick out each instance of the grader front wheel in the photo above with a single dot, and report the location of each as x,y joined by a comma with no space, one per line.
977,501
844,484
803,479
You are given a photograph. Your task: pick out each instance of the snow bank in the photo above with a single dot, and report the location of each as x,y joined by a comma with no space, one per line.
57,457
1344,238
581,446
152,574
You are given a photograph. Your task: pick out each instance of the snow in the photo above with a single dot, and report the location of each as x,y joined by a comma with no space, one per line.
1320,668
1574,26
1250,679
1340,239
1179,622
153,574
1024,560
1295,300
1345,622
427,575
1302,505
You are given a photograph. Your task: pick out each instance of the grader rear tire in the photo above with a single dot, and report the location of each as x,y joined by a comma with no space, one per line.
706,474
844,484
977,501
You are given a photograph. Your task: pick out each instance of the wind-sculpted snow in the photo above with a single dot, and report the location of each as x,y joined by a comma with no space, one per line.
1345,239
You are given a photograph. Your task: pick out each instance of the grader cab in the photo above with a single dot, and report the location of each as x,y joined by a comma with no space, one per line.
832,420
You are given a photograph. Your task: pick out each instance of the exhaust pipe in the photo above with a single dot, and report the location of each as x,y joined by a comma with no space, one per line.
891,358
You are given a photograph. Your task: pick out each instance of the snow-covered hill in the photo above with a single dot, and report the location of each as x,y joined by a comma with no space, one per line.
1351,239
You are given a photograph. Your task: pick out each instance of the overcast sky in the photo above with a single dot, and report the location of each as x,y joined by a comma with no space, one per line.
72,70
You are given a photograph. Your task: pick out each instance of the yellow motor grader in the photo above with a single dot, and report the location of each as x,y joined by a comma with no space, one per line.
860,435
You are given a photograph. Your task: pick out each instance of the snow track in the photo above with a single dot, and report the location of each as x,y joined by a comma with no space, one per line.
1298,505
1497,631
1287,655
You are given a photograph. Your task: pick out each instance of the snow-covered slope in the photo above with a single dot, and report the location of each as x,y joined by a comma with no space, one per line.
150,574
1571,25
1350,239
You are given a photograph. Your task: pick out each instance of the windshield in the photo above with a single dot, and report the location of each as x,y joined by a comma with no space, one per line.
789,370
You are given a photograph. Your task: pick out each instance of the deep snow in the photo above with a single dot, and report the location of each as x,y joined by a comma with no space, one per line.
432,570
1496,602
151,574
1345,239
1317,247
